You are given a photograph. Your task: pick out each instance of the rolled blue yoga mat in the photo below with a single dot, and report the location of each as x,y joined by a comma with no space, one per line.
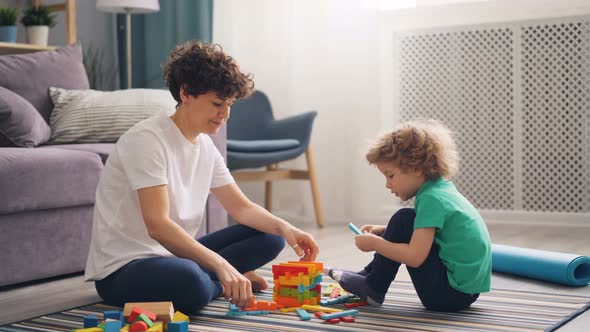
566,269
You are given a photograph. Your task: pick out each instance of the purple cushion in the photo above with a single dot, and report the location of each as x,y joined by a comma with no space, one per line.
30,75
101,149
37,179
20,123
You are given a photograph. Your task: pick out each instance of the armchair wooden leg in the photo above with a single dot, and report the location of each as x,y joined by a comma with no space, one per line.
268,190
315,192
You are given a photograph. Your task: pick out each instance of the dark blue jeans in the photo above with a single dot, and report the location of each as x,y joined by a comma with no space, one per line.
430,279
184,282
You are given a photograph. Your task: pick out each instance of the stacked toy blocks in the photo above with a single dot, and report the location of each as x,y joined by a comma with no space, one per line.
297,283
136,317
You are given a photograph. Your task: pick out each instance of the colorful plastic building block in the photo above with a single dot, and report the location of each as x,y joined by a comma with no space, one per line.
355,229
351,312
304,315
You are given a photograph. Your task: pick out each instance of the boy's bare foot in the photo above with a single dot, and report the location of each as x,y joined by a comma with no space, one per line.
258,282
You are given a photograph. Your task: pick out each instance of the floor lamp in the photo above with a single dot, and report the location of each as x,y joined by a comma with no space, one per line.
128,7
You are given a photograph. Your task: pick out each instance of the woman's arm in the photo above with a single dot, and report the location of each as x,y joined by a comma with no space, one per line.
247,213
154,204
412,254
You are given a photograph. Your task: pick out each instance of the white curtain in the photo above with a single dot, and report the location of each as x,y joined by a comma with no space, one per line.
314,55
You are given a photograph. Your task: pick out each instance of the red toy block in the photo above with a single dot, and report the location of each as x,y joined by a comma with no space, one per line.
319,313
138,311
355,304
347,319
138,326
333,321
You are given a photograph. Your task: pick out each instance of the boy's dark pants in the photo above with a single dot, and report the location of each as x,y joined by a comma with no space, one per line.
430,279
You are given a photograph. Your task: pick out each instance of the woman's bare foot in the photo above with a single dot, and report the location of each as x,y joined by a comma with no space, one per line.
258,282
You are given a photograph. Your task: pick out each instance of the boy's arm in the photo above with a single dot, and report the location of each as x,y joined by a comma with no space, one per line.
412,254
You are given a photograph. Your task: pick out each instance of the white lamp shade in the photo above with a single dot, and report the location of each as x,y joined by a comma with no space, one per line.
131,6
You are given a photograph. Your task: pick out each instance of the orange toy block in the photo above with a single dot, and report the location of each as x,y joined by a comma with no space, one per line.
164,310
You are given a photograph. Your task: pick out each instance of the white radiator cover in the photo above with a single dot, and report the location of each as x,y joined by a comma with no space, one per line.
517,96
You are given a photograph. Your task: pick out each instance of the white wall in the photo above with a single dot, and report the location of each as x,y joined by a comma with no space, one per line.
336,57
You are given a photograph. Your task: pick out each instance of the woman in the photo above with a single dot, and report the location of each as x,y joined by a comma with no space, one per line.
151,197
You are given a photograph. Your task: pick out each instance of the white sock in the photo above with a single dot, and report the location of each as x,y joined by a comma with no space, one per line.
333,273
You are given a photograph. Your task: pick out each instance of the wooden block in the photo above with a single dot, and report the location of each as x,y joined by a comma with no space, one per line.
112,325
333,321
143,318
179,317
164,310
157,327
178,326
113,314
138,327
90,321
347,319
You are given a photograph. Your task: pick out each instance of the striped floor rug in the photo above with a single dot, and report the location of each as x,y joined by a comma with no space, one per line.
499,310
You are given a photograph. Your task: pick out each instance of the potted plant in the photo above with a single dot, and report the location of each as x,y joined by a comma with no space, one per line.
8,24
37,21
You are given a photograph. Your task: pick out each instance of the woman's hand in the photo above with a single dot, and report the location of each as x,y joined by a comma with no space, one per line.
302,243
366,241
373,229
236,287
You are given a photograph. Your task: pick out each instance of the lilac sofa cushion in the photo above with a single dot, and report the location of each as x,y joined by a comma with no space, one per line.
36,179
20,123
30,75
101,149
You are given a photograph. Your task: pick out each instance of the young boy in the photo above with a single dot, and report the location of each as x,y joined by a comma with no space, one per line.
443,241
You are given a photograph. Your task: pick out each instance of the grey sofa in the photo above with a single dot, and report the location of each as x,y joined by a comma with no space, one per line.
47,191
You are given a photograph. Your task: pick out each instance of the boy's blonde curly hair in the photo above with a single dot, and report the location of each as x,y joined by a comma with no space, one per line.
424,145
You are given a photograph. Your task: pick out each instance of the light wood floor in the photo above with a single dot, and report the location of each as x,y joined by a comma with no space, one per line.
337,249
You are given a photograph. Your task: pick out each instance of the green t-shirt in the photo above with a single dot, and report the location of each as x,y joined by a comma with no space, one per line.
461,234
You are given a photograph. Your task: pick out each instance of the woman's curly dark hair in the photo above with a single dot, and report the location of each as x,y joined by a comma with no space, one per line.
200,68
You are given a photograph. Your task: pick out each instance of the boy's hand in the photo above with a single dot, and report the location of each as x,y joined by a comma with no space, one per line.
373,229
367,241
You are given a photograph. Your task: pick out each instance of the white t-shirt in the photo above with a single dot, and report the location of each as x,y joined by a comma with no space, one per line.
153,152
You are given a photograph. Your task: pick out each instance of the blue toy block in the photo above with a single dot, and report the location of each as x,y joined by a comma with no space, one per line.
351,312
257,312
233,307
113,314
113,325
355,229
234,313
337,300
90,321
303,314
178,326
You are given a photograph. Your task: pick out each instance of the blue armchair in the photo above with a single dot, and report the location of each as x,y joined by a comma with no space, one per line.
256,139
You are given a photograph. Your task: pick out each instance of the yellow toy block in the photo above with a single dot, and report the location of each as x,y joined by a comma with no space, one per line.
291,309
90,329
179,317
123,329
157,327
319,308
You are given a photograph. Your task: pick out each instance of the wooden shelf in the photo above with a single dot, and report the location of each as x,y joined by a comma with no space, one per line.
16,48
